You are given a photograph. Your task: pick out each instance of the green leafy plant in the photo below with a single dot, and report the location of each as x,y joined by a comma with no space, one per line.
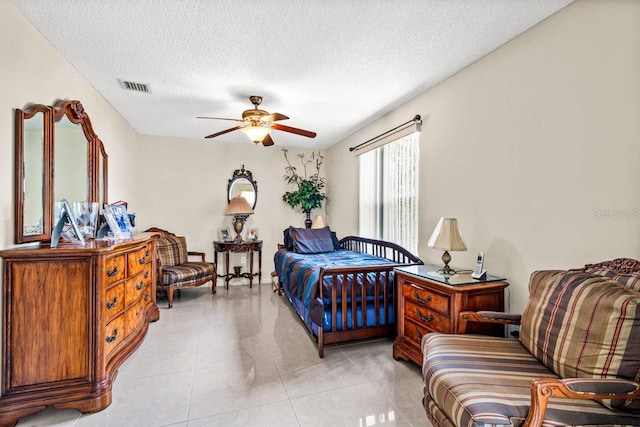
308,195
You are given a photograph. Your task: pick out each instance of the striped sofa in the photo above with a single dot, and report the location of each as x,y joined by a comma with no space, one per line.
175,270
576,362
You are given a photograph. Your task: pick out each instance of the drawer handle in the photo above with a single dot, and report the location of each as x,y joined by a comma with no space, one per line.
140,286
424,318
113,337
419,335
142,260
146,297
146,274
113,272
422,300
111,304
137,313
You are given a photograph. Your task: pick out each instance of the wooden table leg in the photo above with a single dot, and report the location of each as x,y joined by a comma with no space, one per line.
226,268
250,268
260,266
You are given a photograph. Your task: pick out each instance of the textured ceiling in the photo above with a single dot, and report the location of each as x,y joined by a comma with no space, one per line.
332,66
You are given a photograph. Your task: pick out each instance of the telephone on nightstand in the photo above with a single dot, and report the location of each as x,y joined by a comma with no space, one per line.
478,272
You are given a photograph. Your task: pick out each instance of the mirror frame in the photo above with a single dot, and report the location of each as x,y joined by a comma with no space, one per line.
74,111
19,159
240,174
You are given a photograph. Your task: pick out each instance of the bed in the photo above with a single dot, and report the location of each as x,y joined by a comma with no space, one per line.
357,297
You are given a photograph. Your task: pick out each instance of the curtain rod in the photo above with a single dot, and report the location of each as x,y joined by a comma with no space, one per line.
415,119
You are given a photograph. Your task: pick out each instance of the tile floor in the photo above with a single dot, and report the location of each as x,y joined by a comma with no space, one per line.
243,358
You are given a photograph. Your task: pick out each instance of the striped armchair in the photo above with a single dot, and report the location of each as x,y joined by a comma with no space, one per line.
576,362
175,270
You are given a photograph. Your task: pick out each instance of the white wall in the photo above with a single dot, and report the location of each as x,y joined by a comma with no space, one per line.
183,188
534,148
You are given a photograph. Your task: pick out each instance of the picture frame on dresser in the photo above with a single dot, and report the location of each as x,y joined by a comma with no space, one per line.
253,233
223,234
110,219
121,218
67,226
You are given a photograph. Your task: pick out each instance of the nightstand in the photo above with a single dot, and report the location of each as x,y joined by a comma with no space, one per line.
430,302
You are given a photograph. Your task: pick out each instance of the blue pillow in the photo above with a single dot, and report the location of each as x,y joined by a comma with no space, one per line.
311,240
288,242
336,242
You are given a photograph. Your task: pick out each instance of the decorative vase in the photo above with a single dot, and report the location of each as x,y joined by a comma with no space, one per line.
308,222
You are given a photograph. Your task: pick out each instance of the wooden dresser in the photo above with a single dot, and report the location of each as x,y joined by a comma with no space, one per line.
427,302
70,317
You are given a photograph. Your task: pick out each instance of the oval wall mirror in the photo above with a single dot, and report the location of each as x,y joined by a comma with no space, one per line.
242,184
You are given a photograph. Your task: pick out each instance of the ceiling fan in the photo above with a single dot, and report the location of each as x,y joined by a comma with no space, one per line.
257,124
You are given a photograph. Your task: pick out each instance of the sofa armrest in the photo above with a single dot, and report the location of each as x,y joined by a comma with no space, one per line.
486,317
576,388
200,254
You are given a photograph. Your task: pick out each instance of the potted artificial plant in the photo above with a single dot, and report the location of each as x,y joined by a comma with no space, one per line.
308,194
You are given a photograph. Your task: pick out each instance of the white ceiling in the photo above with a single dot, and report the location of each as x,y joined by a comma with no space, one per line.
332,66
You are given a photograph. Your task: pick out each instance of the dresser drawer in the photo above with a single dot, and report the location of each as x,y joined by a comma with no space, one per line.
114,301
146,274
425,297
428,318
114,333
414,332
134,316
114,269
134,289
139,260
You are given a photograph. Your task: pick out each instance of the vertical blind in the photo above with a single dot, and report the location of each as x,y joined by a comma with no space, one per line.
389,192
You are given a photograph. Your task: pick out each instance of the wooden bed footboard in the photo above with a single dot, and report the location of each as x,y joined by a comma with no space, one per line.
382,298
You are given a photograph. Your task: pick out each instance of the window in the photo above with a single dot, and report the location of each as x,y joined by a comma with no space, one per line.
389,192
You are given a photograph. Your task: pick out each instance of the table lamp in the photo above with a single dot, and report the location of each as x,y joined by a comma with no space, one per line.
446,237
240,209
318,222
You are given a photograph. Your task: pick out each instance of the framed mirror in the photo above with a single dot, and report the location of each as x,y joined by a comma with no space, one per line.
33,139
57,155
242,184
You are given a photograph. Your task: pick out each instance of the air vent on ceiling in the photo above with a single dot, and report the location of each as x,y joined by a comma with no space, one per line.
138,87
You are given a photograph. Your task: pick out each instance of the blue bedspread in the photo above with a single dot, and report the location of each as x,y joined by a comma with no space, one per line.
299,273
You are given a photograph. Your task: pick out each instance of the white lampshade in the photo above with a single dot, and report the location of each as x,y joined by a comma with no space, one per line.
318,222
446,236
256,133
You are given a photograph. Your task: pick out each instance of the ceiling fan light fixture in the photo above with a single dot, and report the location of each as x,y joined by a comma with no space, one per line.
256,133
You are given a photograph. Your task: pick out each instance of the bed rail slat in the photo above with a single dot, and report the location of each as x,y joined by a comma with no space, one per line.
344,302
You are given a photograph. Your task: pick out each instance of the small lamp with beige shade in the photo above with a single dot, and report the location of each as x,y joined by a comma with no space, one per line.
318,222
446,237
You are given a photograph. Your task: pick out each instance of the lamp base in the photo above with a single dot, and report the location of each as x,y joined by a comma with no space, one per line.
446,270
238,224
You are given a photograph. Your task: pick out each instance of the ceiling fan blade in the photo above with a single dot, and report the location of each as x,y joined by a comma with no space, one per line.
274,117
267,141
213,135
220,118
297,131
